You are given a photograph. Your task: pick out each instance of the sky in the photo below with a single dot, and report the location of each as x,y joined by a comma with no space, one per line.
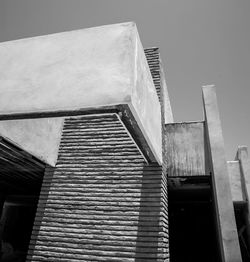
201,42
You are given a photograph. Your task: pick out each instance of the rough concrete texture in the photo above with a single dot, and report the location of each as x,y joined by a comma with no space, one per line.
185,154
235,180
86,68
168,115
244,161
228,236
102,201
39,137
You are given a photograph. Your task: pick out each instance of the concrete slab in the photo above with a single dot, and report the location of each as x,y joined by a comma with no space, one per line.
82,69
185,149
227,230
39,137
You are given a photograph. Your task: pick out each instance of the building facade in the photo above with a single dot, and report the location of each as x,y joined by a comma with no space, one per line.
93,166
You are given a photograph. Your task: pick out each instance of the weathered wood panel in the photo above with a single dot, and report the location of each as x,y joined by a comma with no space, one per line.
185,149
102,201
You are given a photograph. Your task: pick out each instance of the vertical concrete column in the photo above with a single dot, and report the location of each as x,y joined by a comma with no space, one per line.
242,156
227,230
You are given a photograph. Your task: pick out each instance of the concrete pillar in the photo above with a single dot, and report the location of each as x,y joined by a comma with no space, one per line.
242,156
227,230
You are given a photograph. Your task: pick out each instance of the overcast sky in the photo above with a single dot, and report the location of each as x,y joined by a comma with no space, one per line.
201,42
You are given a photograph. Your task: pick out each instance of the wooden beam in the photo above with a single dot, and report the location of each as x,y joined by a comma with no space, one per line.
242,156
227,230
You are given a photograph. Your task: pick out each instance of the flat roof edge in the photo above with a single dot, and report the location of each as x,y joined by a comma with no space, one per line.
123,110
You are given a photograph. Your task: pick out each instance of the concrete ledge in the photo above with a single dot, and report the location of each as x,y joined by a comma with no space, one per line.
40,133
39,137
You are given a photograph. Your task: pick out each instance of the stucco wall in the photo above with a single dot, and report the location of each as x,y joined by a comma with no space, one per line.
145,101
69,70
40,137
88,68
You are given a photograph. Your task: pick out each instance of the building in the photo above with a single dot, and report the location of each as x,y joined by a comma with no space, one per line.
93,167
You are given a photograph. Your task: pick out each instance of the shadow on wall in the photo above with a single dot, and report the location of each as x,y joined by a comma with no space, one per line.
45,190
150,234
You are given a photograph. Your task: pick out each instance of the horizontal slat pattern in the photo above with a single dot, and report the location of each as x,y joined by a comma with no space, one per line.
158,76
20,172
164,212
102,202
153,59
152,55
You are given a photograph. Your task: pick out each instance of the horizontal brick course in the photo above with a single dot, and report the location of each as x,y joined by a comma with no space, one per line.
102,201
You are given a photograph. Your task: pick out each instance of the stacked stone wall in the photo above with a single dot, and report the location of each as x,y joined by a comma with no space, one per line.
102,201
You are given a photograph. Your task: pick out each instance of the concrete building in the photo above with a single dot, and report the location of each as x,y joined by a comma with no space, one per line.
93,166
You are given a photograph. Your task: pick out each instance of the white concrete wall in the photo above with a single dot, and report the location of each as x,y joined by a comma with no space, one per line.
145,101
86,68
40,137
69,70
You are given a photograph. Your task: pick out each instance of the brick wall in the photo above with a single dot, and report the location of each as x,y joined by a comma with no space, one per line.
153,57
102,201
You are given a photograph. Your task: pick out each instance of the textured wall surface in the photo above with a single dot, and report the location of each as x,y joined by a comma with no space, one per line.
153,59
185,149
157,72
102,201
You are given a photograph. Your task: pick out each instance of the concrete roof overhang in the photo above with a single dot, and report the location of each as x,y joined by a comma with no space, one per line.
94,68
